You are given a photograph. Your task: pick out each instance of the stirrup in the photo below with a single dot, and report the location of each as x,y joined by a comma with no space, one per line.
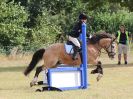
74,58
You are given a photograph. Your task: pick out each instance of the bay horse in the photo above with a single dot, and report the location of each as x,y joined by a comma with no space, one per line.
55,54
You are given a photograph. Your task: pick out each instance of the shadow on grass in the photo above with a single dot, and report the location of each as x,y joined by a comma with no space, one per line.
12,69
22,68
113,65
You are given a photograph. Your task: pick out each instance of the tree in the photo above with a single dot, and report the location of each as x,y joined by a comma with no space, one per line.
12,17
124,3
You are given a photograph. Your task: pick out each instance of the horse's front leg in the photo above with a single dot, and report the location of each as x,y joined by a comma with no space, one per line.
99,70
35,79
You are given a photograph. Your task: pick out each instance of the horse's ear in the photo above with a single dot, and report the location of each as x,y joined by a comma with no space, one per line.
113,36
114,39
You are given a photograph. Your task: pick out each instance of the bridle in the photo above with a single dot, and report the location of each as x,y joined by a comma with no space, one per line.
110,45
107,48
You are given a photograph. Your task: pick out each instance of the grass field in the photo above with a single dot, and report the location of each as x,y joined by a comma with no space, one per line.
117,82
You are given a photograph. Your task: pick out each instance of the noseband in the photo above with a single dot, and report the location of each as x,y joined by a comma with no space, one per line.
110,45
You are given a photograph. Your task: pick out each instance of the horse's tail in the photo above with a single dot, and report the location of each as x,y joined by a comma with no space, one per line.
35,59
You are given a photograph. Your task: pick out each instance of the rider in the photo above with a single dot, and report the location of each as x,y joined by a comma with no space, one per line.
75,33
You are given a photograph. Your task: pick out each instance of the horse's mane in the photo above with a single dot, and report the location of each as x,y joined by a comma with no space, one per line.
97,37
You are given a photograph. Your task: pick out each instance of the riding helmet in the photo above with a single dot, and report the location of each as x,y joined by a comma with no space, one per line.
82,16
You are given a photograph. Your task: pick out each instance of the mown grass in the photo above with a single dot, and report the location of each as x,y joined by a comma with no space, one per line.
117,82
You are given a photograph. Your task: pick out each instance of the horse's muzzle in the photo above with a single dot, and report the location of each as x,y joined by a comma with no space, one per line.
111,55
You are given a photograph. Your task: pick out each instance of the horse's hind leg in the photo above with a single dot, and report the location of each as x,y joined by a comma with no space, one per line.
48,64
99,70
38,70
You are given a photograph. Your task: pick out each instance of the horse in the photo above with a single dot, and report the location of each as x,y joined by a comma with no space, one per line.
55,54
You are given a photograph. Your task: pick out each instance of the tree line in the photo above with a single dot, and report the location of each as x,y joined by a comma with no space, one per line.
33,23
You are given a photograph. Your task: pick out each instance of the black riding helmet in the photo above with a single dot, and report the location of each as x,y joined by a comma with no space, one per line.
82,16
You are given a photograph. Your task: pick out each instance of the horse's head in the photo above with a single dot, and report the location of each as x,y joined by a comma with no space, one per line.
111,49
109,45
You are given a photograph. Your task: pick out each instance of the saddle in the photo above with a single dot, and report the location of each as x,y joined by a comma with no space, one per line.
70,48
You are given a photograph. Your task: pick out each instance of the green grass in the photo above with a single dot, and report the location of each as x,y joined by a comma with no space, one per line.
117,82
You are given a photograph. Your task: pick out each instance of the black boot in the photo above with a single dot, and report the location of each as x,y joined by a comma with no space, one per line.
75,54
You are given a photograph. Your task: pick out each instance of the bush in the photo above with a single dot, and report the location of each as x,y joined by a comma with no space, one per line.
110,21
12,18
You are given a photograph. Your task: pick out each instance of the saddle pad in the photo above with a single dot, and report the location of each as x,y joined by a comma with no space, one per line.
69,49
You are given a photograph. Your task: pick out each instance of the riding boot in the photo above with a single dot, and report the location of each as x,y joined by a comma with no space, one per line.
75,54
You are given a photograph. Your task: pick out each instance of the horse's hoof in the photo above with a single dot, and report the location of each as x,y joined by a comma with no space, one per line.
99,77
32,84
38,90
94,71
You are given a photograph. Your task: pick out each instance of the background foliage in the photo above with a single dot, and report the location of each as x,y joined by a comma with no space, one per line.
32,24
